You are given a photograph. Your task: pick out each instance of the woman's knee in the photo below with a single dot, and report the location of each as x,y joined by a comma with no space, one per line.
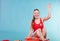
38,29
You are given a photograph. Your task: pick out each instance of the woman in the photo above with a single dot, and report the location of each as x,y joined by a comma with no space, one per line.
37,26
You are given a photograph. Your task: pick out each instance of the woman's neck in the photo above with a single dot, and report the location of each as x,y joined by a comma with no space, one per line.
36,18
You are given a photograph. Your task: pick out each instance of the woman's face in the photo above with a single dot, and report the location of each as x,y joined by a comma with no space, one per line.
36,14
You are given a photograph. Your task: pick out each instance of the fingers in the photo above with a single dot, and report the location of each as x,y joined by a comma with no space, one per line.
49,5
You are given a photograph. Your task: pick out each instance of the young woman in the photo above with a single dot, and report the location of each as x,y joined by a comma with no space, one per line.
37,26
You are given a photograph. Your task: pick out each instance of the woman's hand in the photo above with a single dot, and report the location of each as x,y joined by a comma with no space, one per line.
28,36
49,6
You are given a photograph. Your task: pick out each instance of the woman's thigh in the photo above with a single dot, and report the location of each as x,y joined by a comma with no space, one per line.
35,33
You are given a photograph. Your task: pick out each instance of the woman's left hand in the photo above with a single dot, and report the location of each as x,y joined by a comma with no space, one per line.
49,6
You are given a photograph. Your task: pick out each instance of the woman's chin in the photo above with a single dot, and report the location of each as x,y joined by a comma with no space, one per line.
36,18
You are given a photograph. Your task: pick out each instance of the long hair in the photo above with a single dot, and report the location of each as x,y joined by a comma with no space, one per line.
33,16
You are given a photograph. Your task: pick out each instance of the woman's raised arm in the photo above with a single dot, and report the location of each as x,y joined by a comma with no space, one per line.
49,13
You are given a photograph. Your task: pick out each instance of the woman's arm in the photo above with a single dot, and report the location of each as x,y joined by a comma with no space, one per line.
31,29
49,13
44,32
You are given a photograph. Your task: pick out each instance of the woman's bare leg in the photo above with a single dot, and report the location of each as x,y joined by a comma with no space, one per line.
38,32
34,33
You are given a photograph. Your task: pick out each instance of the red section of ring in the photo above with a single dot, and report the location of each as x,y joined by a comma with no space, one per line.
5,40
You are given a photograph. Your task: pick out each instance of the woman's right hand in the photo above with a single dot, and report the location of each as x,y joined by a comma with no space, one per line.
28,36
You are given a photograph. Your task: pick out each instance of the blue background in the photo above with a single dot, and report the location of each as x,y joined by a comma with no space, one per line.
15,17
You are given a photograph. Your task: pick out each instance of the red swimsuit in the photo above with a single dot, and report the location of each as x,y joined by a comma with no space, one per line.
37,26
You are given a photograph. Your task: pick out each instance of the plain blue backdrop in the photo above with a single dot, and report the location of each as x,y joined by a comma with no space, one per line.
15,17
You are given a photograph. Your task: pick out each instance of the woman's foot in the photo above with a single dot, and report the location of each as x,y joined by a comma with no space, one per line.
45,40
